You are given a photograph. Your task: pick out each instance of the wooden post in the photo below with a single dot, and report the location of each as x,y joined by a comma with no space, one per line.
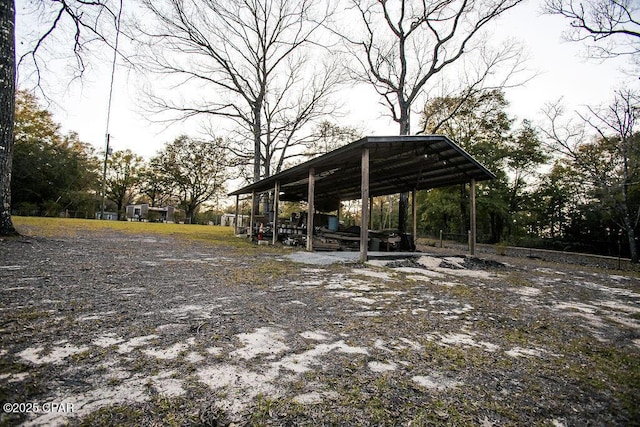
310,208
364,196
370,210
276,202
235,219
472,215
414,215
252,214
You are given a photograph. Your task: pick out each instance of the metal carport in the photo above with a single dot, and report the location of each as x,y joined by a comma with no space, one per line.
374,166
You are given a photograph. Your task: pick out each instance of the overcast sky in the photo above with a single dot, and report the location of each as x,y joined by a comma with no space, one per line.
563,72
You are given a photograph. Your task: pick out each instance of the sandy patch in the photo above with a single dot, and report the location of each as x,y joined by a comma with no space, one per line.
302,362
435,382
412,344
132,391
14,378
429,262
169,353
194,357
576,306
55,356
241,385
347,294
525,291
296,302
364,300
380,367
315,335
524,352
214,351
133,343
619,306
464,340
608,290
400,344
107,340
96,316
420,273
314,397
166,385
263,341
371,273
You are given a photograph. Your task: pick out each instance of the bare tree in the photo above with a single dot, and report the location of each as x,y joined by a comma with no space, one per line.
249,61
329,136
613,26
86,18
403,47
406,45
79,23
610,162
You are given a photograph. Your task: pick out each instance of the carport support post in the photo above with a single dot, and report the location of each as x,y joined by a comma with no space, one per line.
276,202
235,219
252,215
310,208
364,196
414,215
472,215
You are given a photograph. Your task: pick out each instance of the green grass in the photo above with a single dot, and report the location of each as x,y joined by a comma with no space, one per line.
71,227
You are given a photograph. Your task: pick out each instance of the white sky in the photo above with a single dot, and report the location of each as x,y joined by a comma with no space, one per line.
563,73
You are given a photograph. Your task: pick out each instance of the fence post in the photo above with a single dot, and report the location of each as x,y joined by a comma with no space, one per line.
440,239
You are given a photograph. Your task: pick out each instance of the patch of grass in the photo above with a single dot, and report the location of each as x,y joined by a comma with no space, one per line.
444,412
70,227
462,291
607,369
517,279
114,415
24,315
160,411
455,358
267,409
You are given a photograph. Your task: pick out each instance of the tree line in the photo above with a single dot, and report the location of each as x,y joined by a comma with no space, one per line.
56,174
556,187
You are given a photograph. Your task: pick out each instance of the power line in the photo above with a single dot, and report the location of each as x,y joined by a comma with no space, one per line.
107,135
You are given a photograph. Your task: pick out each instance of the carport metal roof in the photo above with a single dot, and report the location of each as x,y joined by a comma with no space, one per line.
397,164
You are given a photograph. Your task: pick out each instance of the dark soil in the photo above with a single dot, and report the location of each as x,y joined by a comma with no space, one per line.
154,330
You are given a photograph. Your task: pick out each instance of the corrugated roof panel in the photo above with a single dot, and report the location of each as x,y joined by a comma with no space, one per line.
397,164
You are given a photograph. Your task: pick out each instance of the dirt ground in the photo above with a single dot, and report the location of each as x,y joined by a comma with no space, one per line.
108,328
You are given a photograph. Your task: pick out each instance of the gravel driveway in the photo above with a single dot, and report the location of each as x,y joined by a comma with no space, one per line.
106,328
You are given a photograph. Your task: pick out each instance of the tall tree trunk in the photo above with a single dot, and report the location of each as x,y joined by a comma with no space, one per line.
627,222
633,244
626,217
7,111
403,202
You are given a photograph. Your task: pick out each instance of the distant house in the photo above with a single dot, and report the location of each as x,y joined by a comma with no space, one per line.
144,212
110,216
228,220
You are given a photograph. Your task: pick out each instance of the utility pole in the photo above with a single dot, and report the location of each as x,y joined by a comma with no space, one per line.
104,178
